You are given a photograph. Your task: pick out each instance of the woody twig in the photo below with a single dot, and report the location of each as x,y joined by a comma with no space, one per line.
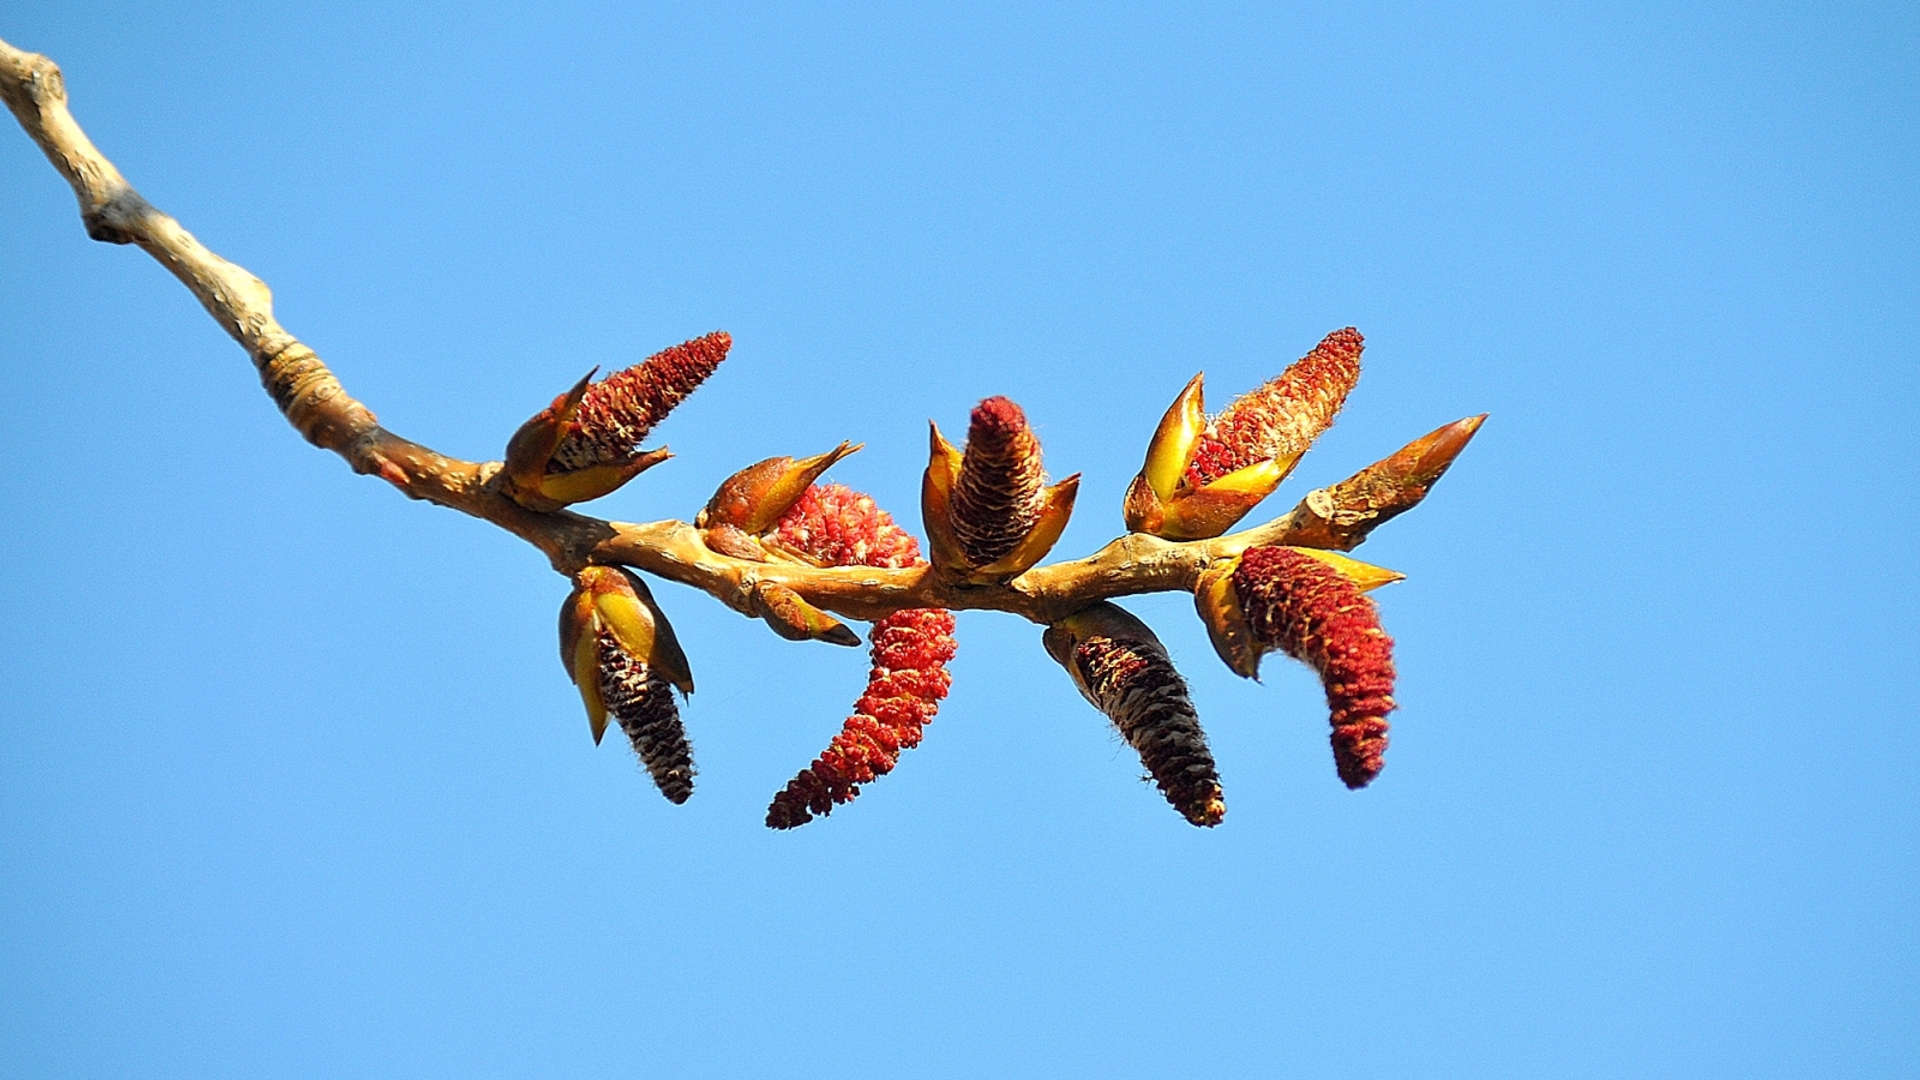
778,545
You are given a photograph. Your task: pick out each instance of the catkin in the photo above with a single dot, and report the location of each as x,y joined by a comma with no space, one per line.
1282,417
643,703
1310,611
618,411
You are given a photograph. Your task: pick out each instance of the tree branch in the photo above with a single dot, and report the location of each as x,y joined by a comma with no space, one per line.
322,411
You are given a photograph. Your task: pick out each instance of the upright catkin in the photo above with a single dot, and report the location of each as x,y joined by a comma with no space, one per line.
618,411
1282,417
996,498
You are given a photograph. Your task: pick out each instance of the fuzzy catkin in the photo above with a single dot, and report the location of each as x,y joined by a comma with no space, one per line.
642,702
1134,683
1282,417
618,411
837,526
996,498
1310,611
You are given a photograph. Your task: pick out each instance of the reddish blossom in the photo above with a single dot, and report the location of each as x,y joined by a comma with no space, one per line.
618,411
1313,613
1283,417
836,526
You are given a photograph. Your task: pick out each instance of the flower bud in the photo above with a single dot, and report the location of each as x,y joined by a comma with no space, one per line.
621,653
754,498
1125,672
987,513
586,444
832,525
1341,516
1294,602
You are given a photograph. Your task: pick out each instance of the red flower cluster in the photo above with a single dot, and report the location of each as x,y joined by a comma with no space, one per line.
618,411
1313,613
1284,416
836,526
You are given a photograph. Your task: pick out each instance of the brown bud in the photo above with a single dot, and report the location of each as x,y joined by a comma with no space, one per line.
1341,516
996,497
756,496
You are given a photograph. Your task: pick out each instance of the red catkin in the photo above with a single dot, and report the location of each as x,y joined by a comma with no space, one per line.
996,498
837,526
1284,416
618,411
1310,611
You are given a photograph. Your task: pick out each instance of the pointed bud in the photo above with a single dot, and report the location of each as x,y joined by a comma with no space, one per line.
1343,515
1121,668
586,444
1281,419
1299,605
621,653
793,618
832,525
756,496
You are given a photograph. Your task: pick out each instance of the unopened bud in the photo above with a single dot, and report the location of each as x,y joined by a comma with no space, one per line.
756,496
1341,516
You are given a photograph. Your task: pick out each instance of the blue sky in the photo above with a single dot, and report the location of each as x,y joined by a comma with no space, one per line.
292,783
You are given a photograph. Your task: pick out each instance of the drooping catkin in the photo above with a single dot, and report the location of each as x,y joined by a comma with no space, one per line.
642,701
836,526
1310,611
618,411
996,498
1134,683
1282,417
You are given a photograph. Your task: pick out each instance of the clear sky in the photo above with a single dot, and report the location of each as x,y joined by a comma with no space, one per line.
292,783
